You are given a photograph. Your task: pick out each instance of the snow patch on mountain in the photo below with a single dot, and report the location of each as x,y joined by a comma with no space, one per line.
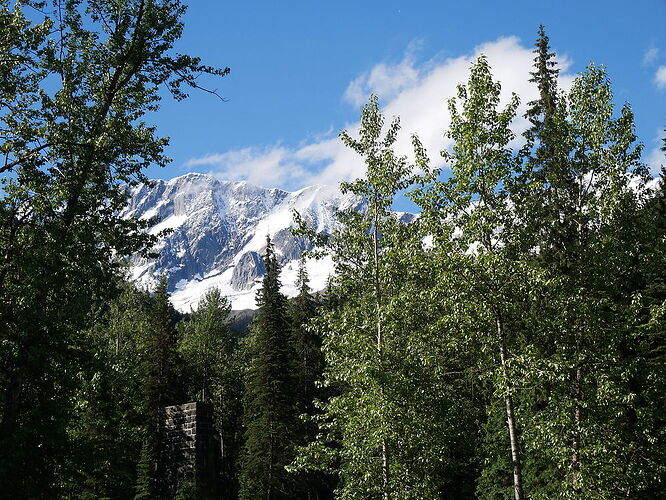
218,233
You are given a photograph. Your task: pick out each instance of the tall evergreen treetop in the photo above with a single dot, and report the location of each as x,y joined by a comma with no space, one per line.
546,217
306,345
308,369
545,76
269,402
269,295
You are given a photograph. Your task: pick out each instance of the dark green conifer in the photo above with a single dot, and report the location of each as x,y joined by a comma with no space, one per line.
269,403
161,381
306,344
549,222
545,73
308,369
145,480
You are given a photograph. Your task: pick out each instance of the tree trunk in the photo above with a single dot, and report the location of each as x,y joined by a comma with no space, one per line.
380,344
510,417
578,394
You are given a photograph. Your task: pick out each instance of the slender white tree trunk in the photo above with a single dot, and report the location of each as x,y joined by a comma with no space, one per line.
380,343
510,416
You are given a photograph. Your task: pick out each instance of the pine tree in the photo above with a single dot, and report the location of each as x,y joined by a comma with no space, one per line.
146,487
305,343
547,155
270,395
161,383
308,370
542,111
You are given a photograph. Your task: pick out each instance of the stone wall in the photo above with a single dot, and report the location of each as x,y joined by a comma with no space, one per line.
190,450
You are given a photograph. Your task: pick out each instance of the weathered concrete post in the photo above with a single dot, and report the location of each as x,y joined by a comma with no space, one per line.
190,450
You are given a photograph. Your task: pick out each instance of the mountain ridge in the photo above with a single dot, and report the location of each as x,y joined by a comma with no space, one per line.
218,234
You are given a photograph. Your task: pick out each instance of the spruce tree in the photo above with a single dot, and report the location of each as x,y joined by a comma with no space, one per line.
270,395
161,386
305,343
542,110
212,358
308,370
146,488
546,170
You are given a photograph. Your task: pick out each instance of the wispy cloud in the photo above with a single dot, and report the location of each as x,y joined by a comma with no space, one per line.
416,92
660,77
386,80
655,161
650,57
271,166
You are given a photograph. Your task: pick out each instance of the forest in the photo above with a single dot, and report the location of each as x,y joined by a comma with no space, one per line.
507,343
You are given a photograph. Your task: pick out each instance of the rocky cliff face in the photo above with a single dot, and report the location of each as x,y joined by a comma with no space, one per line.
218,234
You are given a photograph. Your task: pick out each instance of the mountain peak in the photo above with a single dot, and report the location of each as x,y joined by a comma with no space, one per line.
219,231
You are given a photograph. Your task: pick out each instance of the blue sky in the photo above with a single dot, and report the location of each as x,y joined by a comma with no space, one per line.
301,69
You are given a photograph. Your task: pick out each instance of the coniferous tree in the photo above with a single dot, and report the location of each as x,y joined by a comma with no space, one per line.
146,486
212,357
308,370
542,111
161,387
270,395
305,343
546,168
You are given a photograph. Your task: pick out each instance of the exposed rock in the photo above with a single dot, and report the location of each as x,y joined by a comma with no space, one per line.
247,270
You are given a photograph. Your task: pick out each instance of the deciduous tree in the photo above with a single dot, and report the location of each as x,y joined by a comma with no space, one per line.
73,96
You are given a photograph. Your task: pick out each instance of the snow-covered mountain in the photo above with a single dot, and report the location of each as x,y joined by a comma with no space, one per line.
219,234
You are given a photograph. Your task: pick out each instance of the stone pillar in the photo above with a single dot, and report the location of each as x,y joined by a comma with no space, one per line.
190,450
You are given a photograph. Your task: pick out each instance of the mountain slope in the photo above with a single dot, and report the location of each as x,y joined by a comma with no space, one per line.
219,233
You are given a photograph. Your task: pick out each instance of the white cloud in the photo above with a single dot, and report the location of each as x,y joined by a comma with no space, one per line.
655,160
417,93
660,77
656,157
650,56
385,80
273,166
